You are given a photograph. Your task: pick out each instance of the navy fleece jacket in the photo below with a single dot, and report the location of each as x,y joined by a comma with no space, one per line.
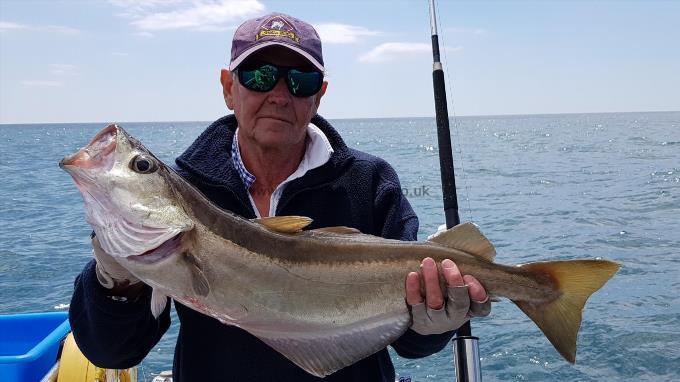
352,189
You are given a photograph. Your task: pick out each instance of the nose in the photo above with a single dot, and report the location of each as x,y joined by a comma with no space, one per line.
280,95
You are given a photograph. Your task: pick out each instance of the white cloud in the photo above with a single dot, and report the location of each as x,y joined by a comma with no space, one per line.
136,9
6,26
143,4
44,83
60,29
63,70
334,33
393,50
158,15
144,34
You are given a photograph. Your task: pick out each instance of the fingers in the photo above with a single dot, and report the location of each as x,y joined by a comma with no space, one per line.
434,296
452,273
480,304
480,309
430,275
431,314
433,291
458,304
477,292
413,295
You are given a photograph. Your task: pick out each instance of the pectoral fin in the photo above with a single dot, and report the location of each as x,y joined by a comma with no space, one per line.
198,280
158,302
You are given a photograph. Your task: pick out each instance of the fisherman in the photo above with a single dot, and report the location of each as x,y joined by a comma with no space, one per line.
274,156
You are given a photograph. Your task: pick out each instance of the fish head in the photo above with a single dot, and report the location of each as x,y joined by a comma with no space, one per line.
128,201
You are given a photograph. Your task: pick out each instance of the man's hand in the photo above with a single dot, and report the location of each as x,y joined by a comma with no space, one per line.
112,275
439,312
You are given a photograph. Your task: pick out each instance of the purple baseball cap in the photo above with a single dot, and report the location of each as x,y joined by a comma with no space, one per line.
276,29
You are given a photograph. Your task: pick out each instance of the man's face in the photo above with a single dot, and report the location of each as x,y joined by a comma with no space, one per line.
275,119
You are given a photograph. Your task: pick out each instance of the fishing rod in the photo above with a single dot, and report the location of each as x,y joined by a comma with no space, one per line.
466,350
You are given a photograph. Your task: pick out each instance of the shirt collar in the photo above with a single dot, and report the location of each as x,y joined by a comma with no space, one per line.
247,178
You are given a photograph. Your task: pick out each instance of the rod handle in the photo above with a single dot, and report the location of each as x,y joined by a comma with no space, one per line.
466,355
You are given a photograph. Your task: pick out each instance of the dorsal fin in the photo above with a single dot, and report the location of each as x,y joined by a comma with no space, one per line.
285,224
466,237
341,230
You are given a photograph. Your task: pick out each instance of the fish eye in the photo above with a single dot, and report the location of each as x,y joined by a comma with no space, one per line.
143,164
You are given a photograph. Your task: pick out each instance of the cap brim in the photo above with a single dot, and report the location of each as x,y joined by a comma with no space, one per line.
235,63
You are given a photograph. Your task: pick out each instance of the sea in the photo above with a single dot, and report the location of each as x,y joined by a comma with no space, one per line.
541,187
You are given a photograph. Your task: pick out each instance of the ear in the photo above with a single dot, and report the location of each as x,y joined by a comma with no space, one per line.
227,82
317,100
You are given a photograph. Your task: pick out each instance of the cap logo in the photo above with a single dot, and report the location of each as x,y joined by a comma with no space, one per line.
277,26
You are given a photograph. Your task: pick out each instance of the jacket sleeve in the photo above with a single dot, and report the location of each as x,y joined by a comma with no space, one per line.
113,334
400,222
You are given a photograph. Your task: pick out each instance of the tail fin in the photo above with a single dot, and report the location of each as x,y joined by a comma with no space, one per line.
576,280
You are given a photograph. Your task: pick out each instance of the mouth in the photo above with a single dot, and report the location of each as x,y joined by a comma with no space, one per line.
96,153
280,119
159,253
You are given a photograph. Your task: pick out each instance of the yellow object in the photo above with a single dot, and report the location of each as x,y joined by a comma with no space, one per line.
74,367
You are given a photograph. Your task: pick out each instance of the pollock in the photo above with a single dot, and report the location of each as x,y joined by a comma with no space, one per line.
324,298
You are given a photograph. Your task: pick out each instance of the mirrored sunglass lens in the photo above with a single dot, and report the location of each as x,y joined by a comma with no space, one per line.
303,84
262,79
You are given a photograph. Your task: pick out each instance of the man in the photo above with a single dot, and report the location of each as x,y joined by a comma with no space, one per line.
268,159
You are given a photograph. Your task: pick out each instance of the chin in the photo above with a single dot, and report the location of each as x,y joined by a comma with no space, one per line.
279,134
275,140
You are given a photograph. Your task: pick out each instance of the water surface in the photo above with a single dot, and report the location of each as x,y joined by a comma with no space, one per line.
540,187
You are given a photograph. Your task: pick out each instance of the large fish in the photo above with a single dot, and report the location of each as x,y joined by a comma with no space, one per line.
324,298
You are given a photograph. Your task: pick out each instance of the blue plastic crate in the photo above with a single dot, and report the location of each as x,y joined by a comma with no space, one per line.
29,344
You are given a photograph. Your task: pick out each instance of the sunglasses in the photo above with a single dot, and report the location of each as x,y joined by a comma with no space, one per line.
263,78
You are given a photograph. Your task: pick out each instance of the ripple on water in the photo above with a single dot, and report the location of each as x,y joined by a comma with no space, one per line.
540,187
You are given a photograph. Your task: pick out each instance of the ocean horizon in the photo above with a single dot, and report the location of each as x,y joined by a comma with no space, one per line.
452,118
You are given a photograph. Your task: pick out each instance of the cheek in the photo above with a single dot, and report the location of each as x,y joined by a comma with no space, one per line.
244,105
305,108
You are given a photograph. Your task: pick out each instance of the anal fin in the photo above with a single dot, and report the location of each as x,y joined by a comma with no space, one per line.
324,350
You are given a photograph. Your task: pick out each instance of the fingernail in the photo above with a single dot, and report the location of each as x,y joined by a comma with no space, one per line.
427,262
447,264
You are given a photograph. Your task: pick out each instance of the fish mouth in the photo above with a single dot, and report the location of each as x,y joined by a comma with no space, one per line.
162,252
96,153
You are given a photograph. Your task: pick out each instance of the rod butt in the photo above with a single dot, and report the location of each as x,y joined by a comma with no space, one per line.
466,355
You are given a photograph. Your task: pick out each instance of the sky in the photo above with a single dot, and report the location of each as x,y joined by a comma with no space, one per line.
159,60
